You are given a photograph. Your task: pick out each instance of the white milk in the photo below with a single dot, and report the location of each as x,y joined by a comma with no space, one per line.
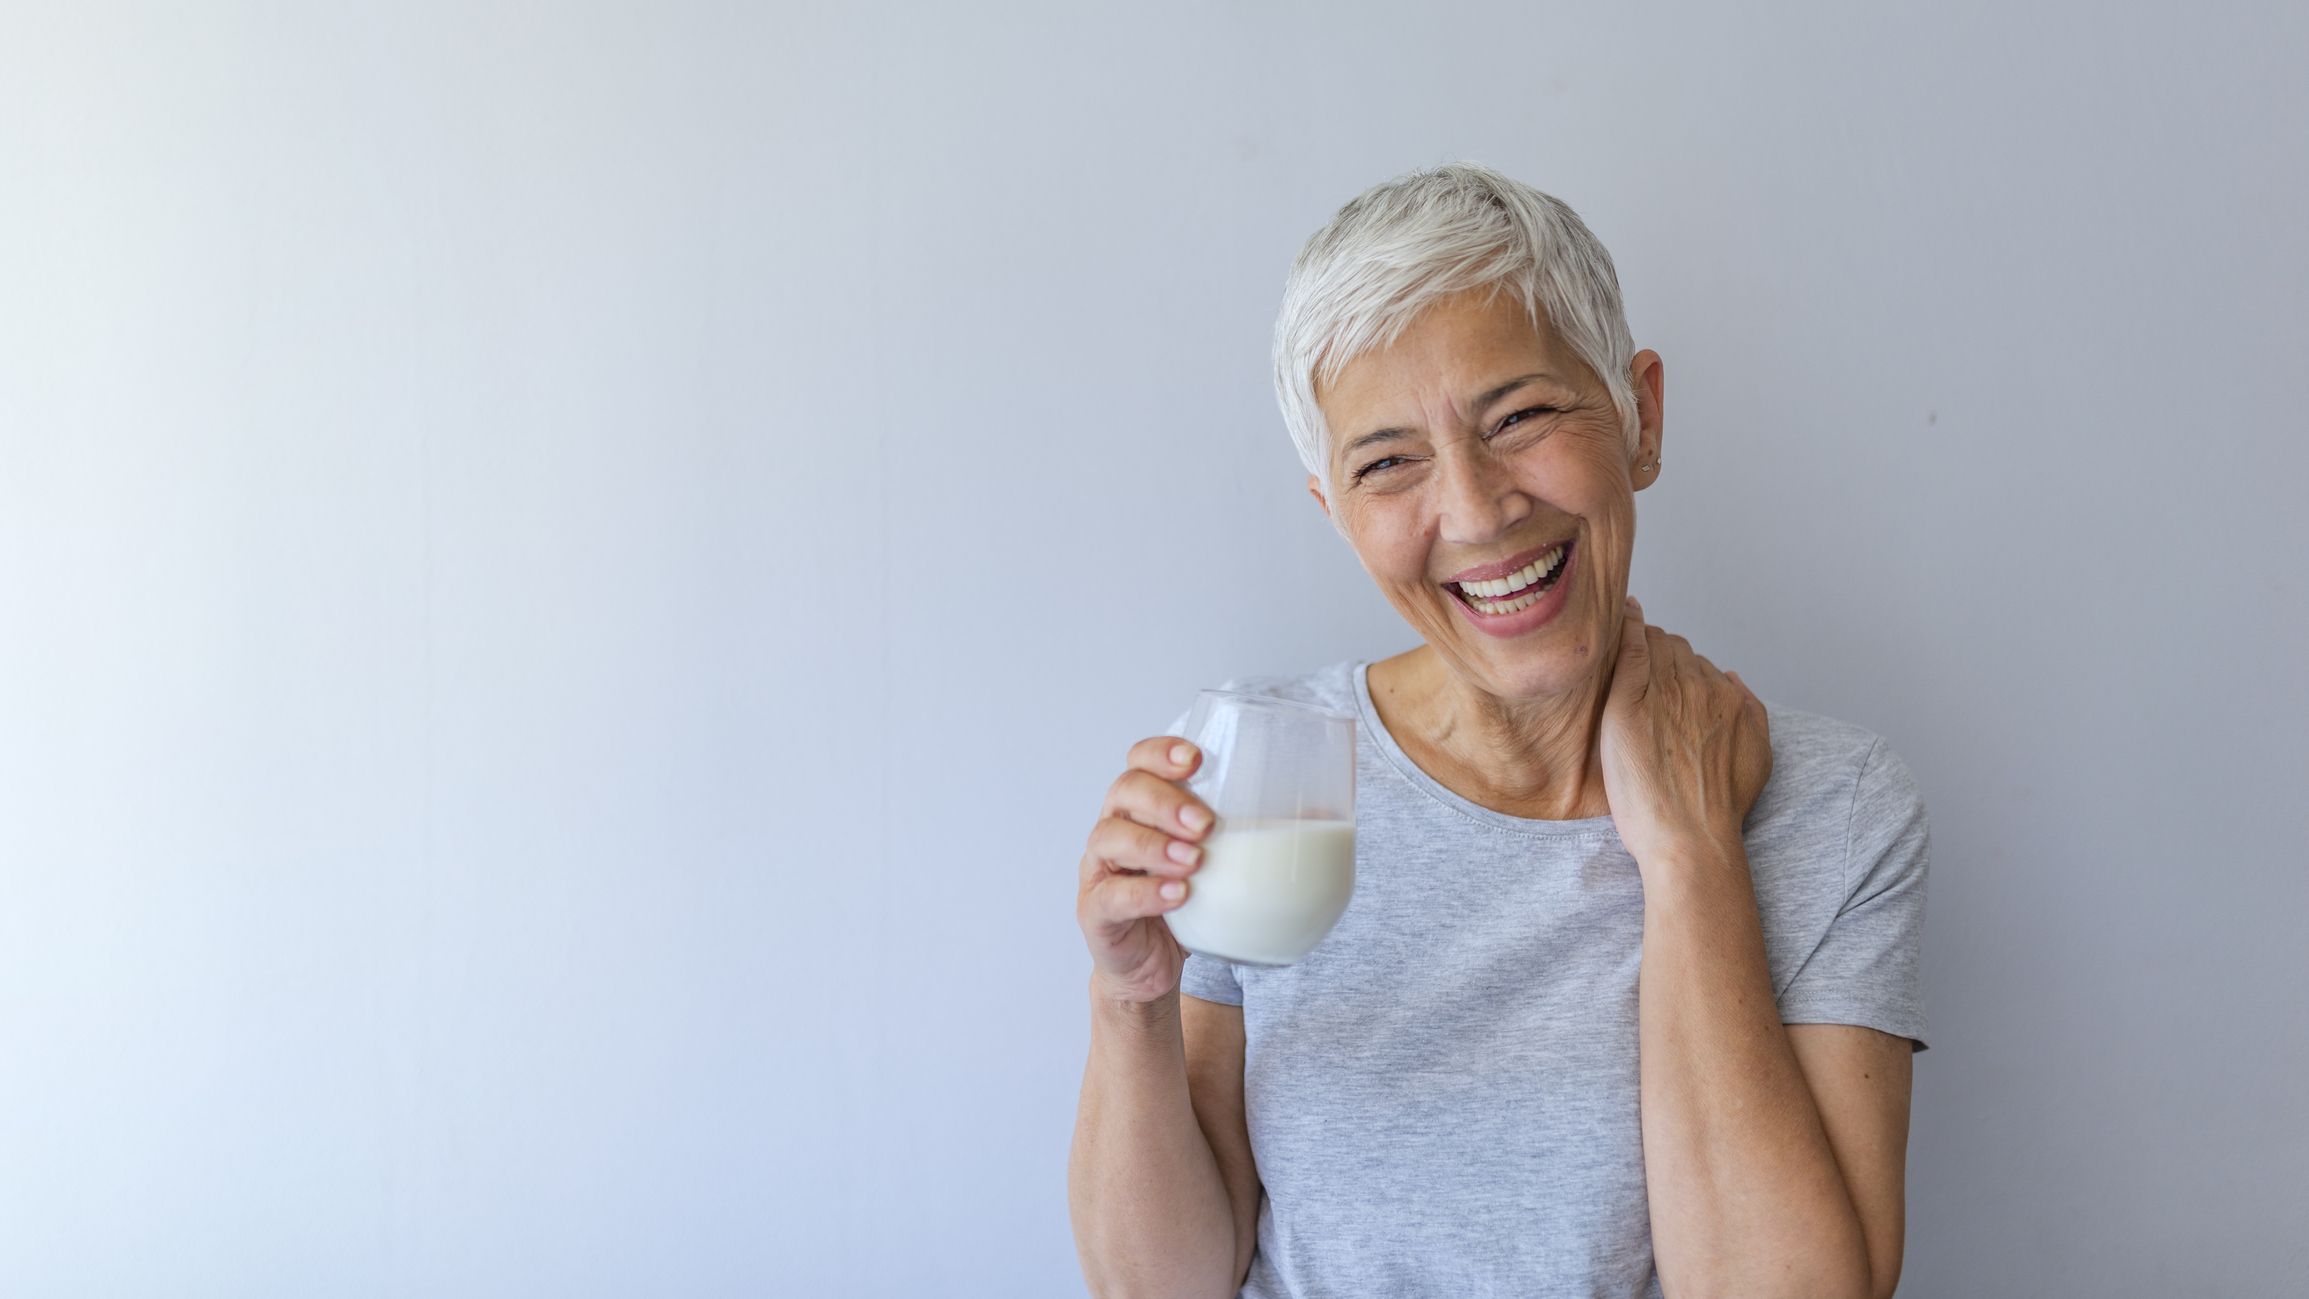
1268,890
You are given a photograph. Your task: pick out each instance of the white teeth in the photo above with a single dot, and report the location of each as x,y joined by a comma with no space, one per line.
1513,582
1500,608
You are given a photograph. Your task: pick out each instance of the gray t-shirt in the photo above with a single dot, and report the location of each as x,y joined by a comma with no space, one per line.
1442,1095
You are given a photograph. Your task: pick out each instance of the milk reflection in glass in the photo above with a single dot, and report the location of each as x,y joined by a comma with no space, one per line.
1278,867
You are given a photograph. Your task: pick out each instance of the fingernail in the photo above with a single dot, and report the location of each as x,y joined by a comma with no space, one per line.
1183,853
1193,817
1174,890
1181,755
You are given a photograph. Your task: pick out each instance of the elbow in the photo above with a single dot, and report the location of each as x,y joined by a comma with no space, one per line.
1857,1279
1878,1277
1137,1283
1130,1291
1118,1283
1852,1280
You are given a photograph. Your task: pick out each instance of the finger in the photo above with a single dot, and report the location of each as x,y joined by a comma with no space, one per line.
1120,899
1128,846
1166,805
1726,684
1724,694
1170,756
1660,648
1635,633
1631,672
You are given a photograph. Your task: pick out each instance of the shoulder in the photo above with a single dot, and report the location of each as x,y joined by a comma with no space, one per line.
1837,844
1826,772
1813,747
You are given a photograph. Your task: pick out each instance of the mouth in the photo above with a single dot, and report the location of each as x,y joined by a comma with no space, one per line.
1510,595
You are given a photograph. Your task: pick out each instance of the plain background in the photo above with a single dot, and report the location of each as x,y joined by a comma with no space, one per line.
572,579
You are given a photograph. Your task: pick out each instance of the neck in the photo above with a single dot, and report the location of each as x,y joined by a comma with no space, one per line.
1538,758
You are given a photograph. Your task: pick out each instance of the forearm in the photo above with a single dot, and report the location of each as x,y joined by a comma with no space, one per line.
1746,1197
1150,1209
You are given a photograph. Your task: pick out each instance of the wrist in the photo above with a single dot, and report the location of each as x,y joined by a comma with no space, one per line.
1703,856
1124,1011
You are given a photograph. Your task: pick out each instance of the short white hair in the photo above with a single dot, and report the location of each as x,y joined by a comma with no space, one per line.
1397,248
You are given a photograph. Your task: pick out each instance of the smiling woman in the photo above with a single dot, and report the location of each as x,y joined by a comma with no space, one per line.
1627,991
1464,478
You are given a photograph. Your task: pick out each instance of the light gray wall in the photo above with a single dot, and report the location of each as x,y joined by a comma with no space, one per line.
572,578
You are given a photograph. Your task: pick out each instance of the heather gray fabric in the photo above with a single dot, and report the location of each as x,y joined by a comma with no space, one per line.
1442,1095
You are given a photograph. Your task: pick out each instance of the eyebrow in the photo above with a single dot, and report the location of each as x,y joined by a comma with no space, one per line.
1480,403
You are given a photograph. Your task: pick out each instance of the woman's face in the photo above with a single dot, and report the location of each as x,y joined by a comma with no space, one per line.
1475,440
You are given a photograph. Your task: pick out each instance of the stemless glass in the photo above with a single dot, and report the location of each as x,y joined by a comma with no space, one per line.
1278,865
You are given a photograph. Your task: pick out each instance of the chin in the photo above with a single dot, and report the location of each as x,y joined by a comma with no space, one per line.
1537,677
1555,664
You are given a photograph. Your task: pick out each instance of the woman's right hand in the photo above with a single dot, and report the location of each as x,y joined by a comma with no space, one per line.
1149,820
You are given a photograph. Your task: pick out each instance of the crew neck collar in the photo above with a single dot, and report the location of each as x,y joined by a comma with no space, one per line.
1583,828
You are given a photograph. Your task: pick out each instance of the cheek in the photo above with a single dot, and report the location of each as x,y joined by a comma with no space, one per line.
1384,533
1584,469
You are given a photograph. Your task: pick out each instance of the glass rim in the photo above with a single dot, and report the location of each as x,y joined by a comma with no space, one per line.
1272,701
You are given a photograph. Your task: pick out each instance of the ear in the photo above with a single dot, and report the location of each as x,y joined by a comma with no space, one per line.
1315,489
1647,375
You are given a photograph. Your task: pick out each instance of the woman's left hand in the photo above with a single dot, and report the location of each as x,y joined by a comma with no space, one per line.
1686,748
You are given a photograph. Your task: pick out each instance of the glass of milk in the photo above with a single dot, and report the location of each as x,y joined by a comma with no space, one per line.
1279,863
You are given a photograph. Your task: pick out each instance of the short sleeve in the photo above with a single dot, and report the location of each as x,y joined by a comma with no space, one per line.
1206,977
1211,979
1866,969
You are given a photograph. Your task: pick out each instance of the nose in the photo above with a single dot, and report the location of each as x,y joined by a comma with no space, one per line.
1480,501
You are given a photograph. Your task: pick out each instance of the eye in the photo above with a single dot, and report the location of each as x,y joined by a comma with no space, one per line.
1505,424
1510,420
